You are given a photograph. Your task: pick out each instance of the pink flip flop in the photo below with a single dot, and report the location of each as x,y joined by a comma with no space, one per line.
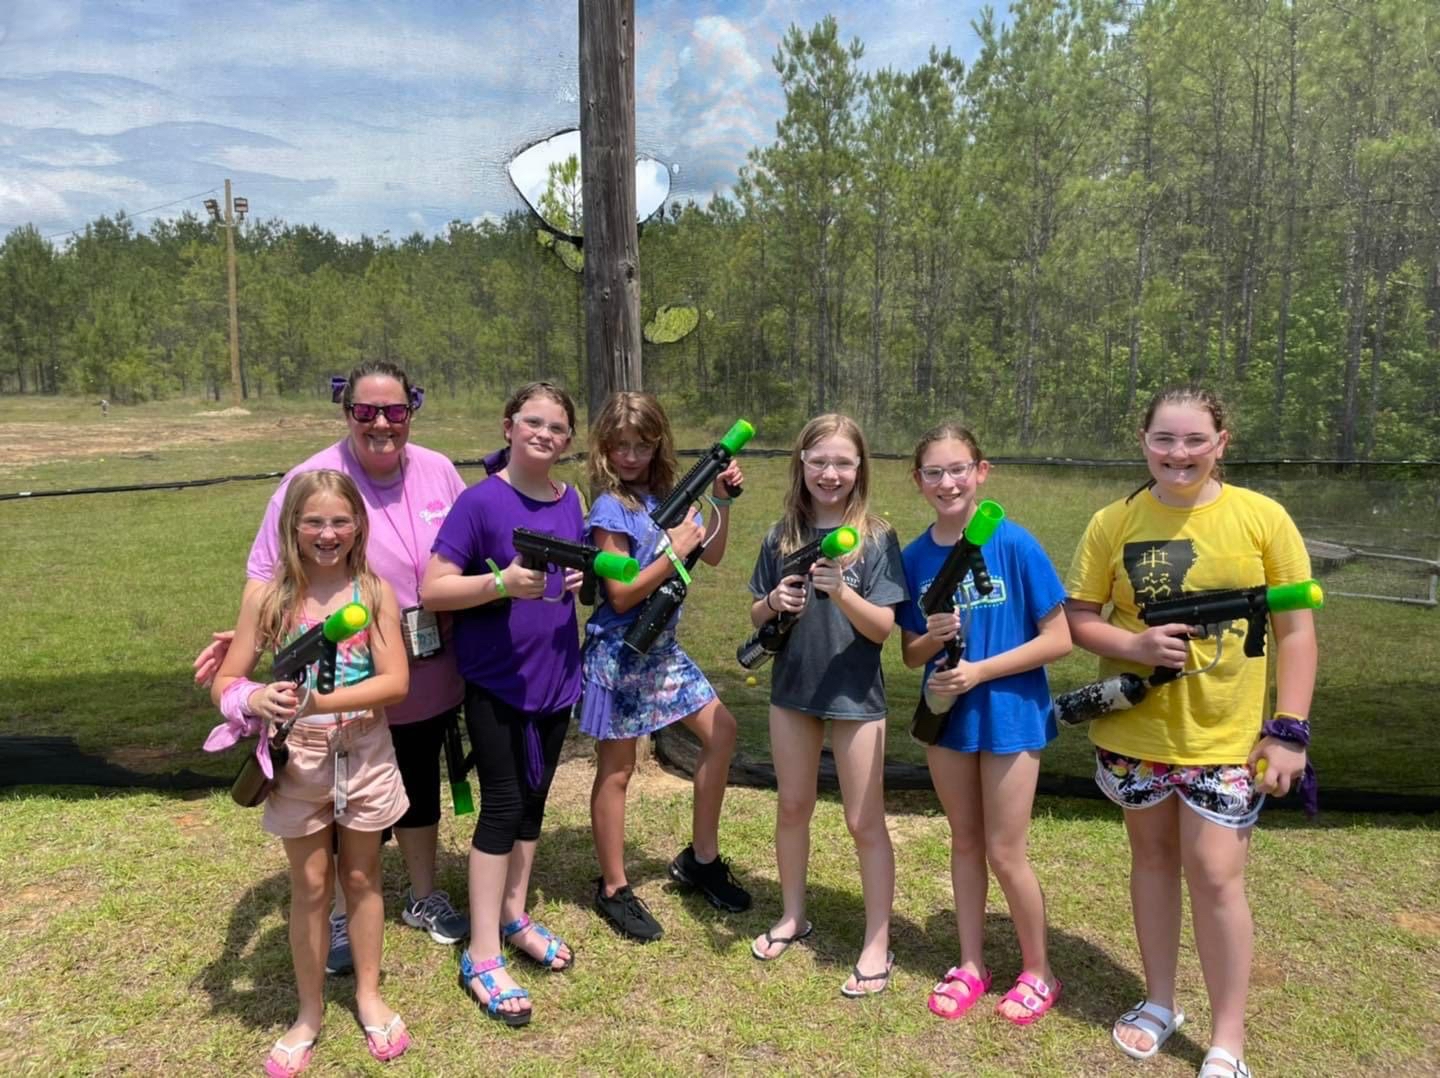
1039,998
297,1059
384,1043
955,979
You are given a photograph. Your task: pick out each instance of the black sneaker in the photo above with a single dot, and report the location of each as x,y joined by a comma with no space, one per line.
627,913
713,879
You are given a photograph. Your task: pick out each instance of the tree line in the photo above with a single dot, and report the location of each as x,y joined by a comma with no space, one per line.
1110,197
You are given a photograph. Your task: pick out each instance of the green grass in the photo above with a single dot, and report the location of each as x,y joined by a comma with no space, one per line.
144,933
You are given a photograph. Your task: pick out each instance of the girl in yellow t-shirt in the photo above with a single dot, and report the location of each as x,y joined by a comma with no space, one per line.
1198,737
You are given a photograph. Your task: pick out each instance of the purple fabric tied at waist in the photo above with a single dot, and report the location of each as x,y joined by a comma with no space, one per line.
1298,733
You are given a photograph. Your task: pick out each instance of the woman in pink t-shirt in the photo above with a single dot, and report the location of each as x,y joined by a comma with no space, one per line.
408,491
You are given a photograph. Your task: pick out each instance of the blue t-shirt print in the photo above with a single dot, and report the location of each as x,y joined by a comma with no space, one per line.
1011,714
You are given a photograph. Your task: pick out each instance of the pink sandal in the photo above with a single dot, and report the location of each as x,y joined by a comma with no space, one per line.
1034,995
384,1042
955,979
296,1059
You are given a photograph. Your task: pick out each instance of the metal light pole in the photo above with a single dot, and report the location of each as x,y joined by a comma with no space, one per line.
235,210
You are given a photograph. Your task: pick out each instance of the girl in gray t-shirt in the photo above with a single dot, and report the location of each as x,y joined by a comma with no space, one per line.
829,668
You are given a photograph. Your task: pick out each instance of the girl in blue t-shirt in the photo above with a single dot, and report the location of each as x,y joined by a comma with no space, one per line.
628,695
987,760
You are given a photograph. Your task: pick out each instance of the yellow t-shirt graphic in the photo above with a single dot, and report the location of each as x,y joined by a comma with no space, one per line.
1144,551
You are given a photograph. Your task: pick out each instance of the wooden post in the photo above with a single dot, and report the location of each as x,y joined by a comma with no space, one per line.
236,392
607,167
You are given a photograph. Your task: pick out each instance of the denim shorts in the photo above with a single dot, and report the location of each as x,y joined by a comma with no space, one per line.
1224,794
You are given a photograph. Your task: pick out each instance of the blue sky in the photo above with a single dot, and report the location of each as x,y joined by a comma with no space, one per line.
374,116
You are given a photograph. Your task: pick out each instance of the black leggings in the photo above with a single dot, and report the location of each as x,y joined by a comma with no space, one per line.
510,809
417,755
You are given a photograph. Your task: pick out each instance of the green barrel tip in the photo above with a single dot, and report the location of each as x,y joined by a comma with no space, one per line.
987,518
736,437
840,542
346,622
614,566
462,798
1305,595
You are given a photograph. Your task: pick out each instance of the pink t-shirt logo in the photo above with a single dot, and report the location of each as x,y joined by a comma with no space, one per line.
434,512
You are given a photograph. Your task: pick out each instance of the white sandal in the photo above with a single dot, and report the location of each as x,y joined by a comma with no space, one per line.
1164,1021
1211,1067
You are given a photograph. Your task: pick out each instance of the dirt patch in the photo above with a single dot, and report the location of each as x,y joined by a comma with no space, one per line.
1420,924
37,443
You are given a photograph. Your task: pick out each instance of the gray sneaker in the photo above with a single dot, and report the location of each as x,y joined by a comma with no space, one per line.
435,915
338,960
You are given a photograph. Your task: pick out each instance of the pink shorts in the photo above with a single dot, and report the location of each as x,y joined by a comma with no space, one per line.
303,800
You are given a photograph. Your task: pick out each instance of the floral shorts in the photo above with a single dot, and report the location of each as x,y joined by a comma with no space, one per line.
1221,793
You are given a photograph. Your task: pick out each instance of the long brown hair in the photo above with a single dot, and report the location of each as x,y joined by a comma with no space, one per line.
640,412
799,514
280,603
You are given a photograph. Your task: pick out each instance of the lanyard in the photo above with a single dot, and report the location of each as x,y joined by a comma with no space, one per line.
371,494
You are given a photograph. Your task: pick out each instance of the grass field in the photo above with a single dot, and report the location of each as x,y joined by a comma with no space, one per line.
145,932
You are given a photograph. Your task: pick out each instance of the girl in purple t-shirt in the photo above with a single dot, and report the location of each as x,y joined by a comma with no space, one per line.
628,695
517,646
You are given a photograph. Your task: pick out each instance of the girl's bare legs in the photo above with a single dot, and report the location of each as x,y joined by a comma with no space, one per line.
859,749
956,777
614,764
1008,785
795,742
1155,900
512,904
359,864
715,726
1214,860
311,877
487,889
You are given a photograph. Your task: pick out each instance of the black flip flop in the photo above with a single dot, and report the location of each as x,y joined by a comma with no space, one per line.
784,941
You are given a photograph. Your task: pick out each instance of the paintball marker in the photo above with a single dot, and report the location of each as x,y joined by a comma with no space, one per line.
669,513
965,558
319,644
660,607
1206,612
539,551
457,763
772,637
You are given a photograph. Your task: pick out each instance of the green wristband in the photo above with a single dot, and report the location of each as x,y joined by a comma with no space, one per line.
499,580
680,570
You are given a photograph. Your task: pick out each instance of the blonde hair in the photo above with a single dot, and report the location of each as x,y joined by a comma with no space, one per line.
280,603
799,515
640,412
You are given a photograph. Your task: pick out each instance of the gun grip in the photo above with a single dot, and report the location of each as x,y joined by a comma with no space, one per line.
1255,637
734,490
587,590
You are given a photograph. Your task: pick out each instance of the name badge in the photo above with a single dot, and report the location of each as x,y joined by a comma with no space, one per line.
422,632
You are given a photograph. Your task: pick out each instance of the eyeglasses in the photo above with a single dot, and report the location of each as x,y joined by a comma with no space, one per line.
839,465
638,450
535,424
931,476
395,414
1164,442
317,525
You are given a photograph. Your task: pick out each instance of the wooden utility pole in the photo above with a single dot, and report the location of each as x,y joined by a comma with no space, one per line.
235,386
607,167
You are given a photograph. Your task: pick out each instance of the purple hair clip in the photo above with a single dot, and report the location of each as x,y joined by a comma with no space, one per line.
496,460
338,382
417,397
